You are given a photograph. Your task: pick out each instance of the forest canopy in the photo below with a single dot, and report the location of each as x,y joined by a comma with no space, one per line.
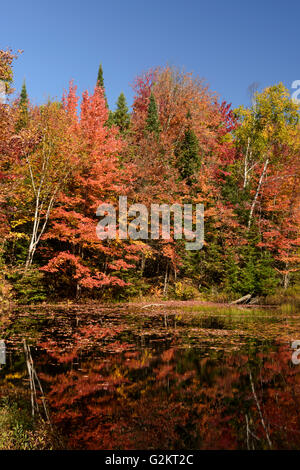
179,144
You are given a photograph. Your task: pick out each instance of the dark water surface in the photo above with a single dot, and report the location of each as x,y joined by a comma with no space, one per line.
203,378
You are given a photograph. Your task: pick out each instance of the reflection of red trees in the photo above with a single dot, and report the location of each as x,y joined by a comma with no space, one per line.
260,411
282,404
175,399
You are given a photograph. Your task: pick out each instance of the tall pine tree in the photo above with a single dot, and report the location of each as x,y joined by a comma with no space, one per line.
187,153
121,117
152,121
100,79
100,82
23,109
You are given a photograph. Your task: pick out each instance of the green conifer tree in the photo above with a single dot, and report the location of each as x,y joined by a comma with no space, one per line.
110,120
100,82
23,109
100,79
187,153
121,117
258,276
231,279
267,277
152,121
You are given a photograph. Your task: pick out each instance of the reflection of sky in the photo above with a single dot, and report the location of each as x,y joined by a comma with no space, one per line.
2,92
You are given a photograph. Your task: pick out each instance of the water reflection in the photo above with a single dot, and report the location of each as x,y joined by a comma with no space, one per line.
105,391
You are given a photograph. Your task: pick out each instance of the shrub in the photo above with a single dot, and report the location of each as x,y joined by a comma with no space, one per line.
19,431
28,287
183,291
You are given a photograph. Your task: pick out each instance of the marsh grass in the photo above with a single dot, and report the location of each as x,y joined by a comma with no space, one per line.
234,321
19,431
291,295
223,310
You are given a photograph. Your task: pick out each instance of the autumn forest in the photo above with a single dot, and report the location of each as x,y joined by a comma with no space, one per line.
140,343
179,144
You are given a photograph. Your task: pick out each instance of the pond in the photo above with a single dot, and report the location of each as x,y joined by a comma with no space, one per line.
168,378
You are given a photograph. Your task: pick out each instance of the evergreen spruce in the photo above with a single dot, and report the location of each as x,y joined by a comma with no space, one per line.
121,117
23,109
187,153
100,79
152,121
231,273
258,277
110,120
100,82
267,277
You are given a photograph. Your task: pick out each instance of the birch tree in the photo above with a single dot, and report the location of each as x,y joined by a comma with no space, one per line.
46,165
263,137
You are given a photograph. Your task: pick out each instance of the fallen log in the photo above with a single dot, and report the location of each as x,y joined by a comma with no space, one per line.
242,300
152,305
253,300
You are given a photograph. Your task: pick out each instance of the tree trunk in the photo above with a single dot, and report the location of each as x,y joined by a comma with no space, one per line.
166,281
286,279
242,300
246,165
257,192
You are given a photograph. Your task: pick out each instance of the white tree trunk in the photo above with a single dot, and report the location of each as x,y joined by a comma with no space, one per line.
257,192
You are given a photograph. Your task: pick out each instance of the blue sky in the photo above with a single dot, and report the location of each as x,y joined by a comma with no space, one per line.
229,43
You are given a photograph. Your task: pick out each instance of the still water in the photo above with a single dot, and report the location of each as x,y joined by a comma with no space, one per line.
119,378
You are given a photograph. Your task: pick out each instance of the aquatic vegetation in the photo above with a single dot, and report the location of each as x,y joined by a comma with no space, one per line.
18,430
